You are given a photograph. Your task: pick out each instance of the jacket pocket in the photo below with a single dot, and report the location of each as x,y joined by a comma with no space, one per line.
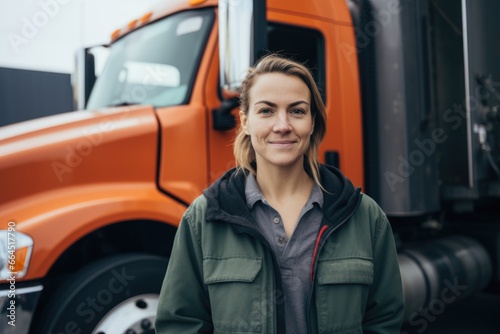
235,290
342,292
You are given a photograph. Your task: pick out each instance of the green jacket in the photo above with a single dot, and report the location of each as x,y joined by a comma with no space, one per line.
223,277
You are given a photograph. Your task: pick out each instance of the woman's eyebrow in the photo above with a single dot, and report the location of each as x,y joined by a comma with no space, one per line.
274,105
298,102
266,102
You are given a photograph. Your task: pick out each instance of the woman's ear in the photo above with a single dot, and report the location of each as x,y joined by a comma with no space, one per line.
244,122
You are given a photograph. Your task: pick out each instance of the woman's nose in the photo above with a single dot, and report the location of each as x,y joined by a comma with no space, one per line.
282,123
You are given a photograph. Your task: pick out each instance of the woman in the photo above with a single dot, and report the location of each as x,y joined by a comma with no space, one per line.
282,244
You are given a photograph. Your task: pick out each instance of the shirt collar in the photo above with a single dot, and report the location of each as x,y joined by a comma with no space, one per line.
252,191
253,194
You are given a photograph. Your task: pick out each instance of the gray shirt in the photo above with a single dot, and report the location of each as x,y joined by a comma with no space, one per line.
294,255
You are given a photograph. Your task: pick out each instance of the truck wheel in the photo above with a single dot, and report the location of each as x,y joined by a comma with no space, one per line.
118,294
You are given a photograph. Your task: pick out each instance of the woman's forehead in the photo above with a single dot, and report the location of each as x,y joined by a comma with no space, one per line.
277,87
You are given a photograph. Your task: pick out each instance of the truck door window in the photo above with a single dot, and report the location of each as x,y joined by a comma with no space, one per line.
302,44
156,64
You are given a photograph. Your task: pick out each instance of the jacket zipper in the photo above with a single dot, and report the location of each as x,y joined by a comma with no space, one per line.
317,250
321,231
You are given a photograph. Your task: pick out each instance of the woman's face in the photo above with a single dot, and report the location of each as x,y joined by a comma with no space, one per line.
279,120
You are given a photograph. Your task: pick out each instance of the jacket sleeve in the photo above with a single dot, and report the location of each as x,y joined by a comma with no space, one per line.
184,305
385,307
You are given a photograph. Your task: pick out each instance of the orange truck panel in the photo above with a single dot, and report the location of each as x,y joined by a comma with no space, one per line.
70,174
57,219
332,11
86,147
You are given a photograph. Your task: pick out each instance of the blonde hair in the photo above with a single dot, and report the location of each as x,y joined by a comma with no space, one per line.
243,150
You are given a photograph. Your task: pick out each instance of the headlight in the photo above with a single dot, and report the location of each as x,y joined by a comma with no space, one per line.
15,253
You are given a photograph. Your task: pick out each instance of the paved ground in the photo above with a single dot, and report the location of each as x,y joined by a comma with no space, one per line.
479,314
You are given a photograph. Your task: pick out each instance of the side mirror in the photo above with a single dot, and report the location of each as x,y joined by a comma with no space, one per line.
83,78
89,63
242,41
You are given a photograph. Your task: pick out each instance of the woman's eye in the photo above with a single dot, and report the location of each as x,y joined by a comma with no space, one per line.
265,111
297,111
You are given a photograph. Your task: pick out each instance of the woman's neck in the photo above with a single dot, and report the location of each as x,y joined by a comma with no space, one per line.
278,184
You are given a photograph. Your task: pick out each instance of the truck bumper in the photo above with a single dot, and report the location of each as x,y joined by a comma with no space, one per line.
17,308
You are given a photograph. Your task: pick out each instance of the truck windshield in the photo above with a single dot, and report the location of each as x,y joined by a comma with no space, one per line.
155,65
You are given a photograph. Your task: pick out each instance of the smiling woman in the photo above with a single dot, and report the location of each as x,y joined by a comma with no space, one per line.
280,122
282,243
294,84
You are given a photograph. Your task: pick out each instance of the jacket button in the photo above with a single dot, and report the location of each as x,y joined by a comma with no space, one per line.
276,220
281,240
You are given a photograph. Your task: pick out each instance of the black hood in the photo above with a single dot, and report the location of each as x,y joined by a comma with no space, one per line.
226,199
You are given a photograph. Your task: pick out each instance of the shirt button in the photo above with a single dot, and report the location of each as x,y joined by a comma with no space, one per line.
281,240
276,220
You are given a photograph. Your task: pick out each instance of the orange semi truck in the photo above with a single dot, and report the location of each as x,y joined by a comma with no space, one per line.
90,200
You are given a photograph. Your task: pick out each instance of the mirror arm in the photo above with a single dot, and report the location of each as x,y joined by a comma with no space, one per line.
223,119
83,77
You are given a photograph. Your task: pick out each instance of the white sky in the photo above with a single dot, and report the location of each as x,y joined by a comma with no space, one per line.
44,34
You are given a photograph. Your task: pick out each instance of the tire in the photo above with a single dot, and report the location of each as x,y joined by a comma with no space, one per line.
114,295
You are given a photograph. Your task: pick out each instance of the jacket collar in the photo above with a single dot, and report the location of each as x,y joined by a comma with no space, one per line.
226,199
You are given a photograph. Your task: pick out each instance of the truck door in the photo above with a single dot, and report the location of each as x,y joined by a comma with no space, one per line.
183,129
